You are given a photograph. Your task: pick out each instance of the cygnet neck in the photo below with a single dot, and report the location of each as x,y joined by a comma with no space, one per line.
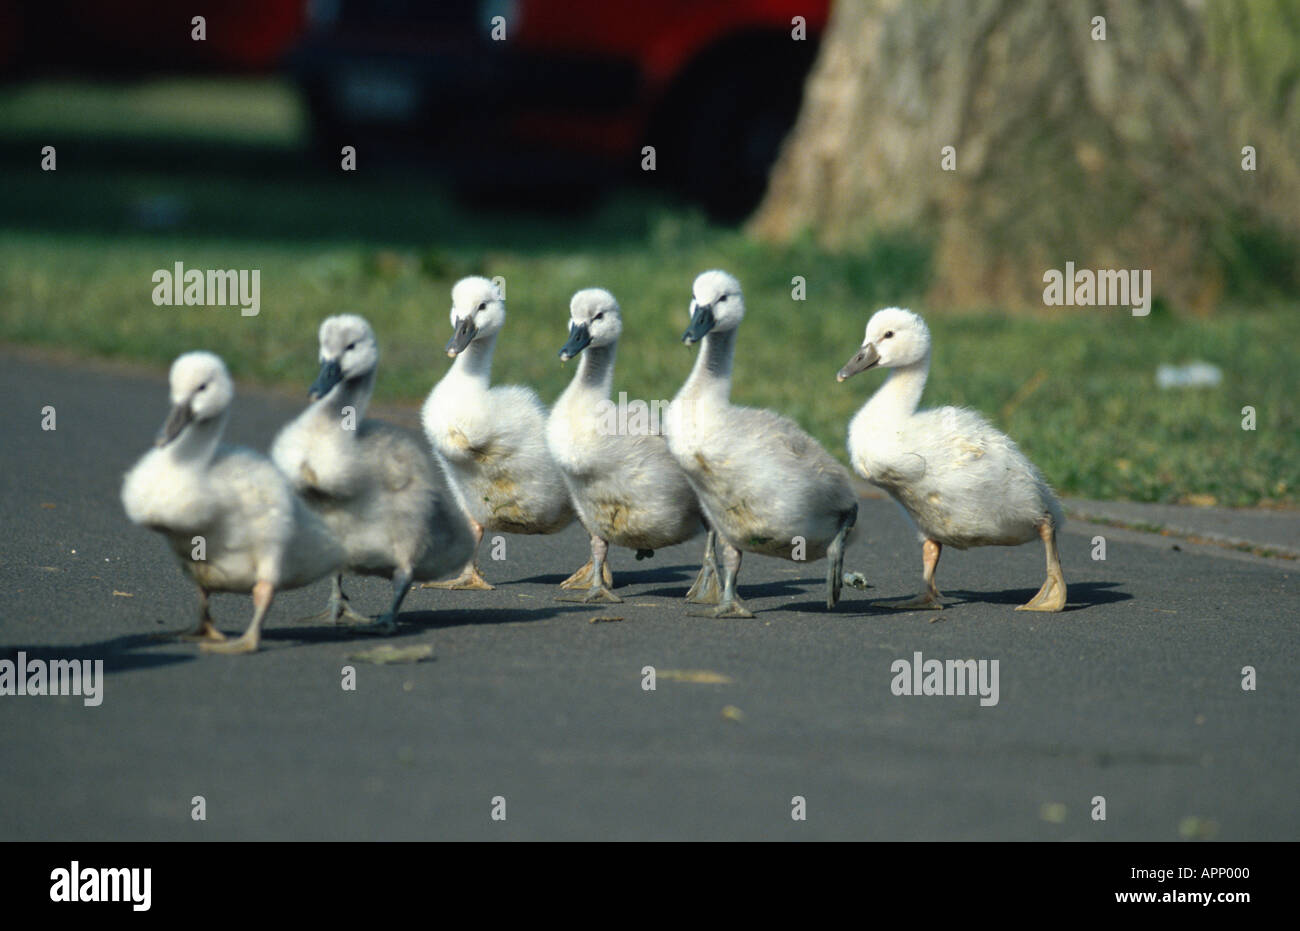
198,442
710,379
900,395
351,392
596,369
474,362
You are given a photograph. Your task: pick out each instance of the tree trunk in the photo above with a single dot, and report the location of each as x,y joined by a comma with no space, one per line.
1122,153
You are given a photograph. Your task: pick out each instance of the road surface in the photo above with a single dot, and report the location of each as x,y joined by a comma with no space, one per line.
1133,694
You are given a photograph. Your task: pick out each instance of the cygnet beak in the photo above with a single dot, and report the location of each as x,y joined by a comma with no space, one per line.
863,359
702,321
579,339
331,373
464,335
177,420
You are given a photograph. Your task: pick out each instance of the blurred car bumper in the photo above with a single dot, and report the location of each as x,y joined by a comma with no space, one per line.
360,83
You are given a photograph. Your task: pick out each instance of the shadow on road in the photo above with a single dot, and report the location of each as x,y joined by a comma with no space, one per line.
416,621
624,578
1082,595
118,654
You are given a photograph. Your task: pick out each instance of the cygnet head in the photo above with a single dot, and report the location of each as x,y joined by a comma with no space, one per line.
895,337
347,351
717,304
478,310
594,320
201,390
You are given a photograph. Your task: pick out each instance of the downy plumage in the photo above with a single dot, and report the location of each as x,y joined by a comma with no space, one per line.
963,482
493,439
382,493
228,514
766,486
627,489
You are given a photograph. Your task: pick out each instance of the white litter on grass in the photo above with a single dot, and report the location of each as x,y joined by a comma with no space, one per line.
1192,375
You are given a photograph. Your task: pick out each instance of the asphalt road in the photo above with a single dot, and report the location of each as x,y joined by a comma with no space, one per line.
1134,693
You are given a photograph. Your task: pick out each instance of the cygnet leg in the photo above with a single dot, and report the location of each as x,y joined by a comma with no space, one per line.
599,570
1051,597
730,605
585,576
929,597
387,623
706,589
469,578
835,558
205,632
263,592
337,610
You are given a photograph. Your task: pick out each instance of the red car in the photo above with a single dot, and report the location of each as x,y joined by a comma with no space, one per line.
521,88
134,37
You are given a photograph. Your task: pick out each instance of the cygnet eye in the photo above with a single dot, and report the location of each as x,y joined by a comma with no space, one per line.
888,333
483,306
599,315
722,299
351,346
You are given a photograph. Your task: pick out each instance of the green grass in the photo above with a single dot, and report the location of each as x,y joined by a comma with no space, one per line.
1076,388
254,110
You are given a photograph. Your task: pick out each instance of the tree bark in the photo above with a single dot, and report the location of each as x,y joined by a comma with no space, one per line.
1121,153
